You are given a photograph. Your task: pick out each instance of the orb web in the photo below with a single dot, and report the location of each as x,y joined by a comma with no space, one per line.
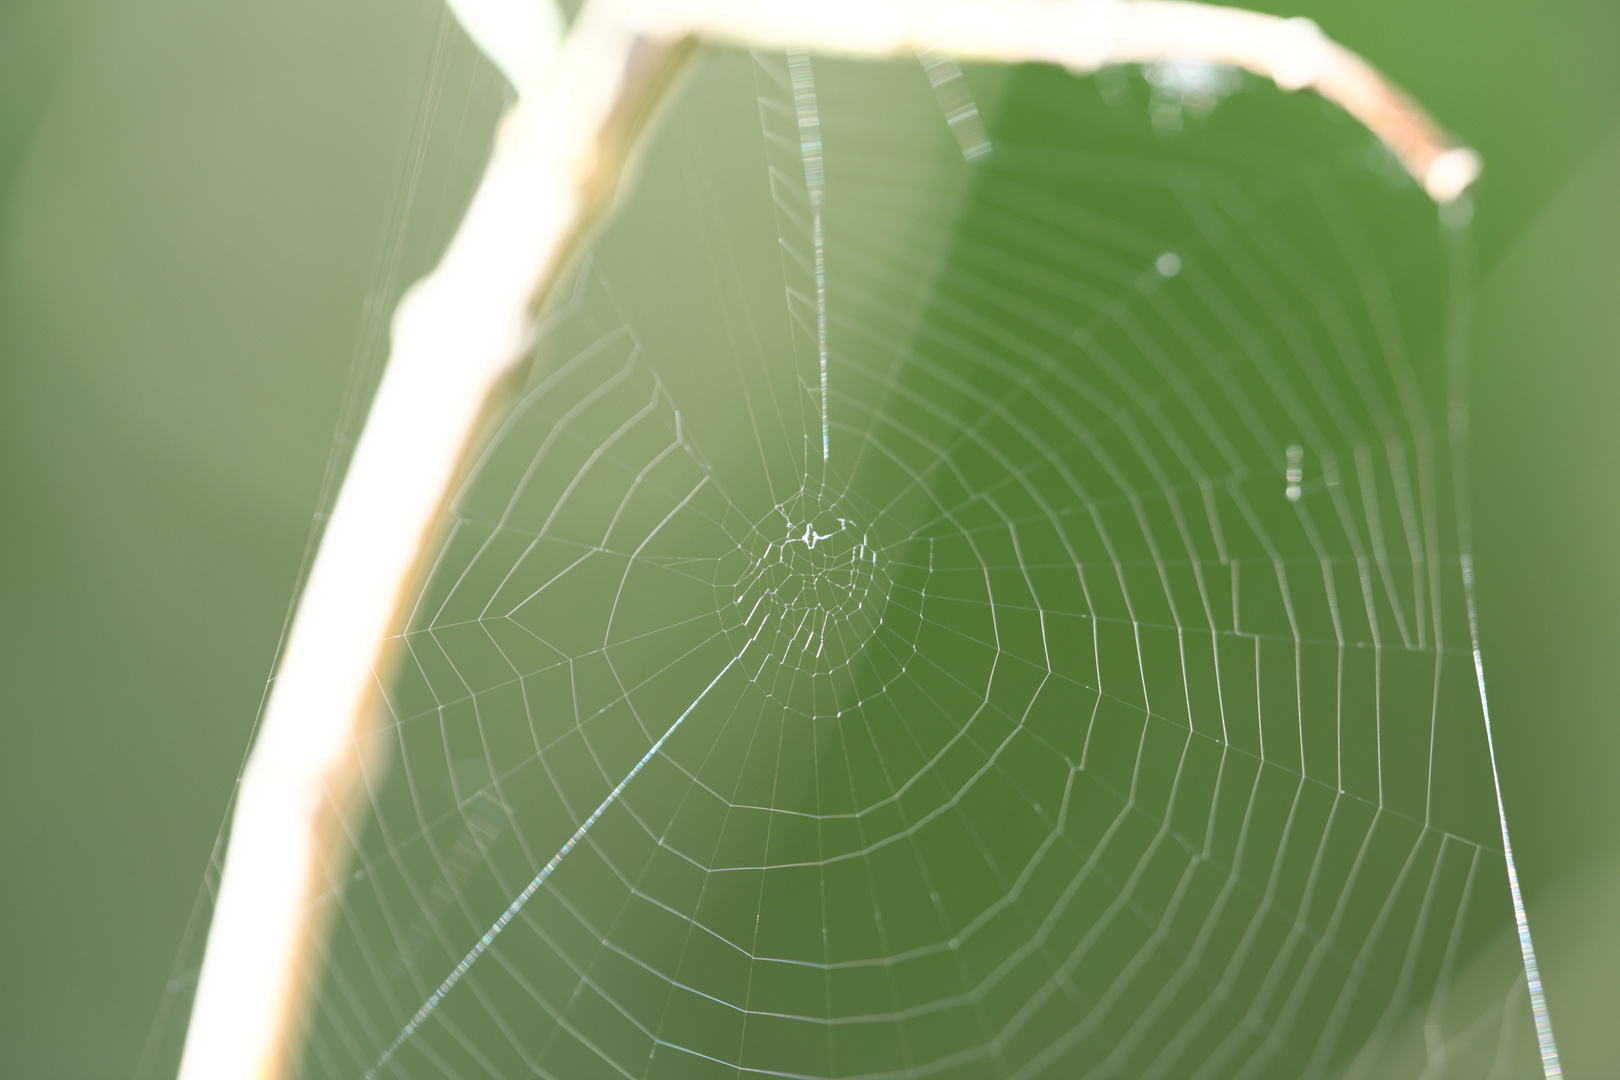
964,607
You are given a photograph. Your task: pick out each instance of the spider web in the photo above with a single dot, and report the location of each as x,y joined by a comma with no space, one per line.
972,587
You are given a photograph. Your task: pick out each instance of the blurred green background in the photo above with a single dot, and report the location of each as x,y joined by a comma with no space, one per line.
196,208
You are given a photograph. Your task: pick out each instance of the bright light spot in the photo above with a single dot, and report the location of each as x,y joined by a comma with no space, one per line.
1450,174
1194,86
